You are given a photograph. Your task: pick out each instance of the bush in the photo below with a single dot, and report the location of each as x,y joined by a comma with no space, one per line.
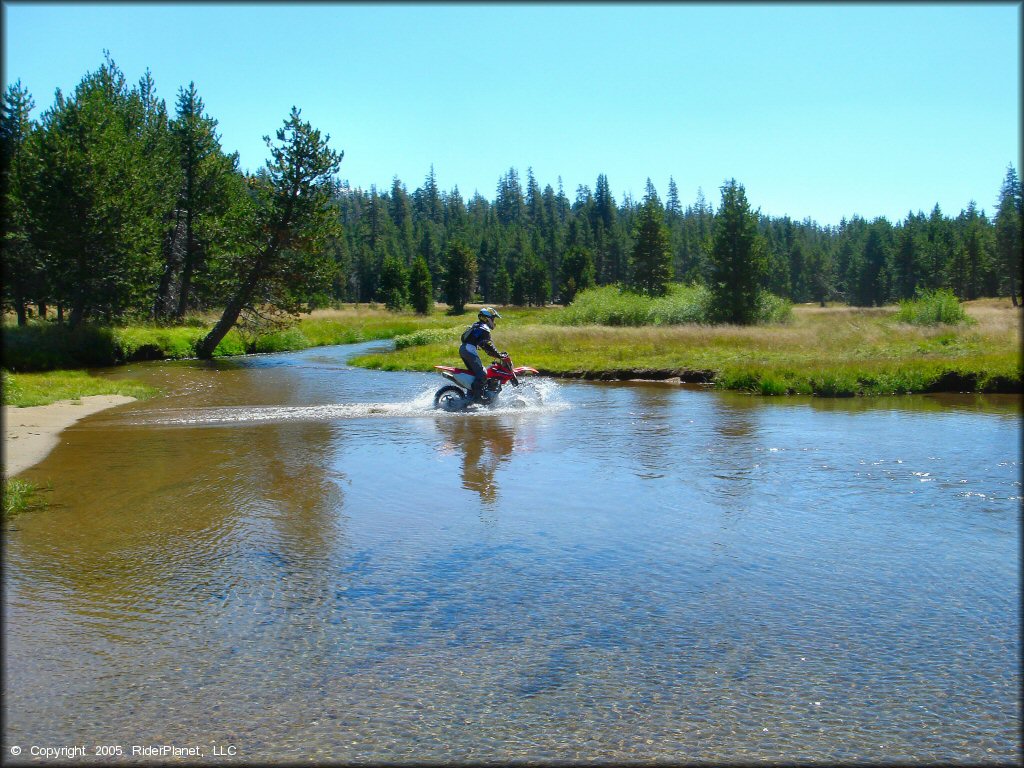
45,346
933,308
683,304
428,336
773,309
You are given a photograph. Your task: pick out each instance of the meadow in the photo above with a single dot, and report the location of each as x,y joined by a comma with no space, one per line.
922,346
831,351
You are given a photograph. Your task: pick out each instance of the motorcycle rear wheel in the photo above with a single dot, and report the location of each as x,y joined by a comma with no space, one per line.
450,398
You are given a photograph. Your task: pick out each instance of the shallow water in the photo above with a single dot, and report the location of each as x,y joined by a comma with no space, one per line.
305,561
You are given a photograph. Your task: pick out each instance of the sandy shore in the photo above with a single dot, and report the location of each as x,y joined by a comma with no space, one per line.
31,433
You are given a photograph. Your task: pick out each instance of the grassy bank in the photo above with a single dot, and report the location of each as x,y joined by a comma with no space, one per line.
23,390
43,346
837,351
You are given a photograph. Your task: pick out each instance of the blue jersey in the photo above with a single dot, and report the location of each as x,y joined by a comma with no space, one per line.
479,335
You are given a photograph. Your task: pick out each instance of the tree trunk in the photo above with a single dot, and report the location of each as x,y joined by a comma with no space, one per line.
204,349
186,288
77,310
1013,288
166,303
41,306
19,308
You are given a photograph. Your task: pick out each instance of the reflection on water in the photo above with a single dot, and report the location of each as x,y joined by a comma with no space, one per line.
485,445
305,561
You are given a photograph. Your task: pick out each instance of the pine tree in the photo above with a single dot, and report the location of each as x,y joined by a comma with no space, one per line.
502,288
651,259
577,273
871,284
427,200
1009,220
455,214
93,199
672,207
401,214
907,256
24,268
290,224
938,249
460,278
394,283
429,251
421,288
603,211
534,285
208,186
738,259
534,200
978,247
510,205
820,271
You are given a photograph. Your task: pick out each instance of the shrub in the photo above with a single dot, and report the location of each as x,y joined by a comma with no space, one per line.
428,336
932,308
773,309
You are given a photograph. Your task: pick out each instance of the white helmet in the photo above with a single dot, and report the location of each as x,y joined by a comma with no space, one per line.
488,315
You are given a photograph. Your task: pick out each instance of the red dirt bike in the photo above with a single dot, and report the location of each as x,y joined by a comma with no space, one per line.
457,396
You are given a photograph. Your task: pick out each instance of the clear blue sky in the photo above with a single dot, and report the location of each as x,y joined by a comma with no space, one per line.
820,111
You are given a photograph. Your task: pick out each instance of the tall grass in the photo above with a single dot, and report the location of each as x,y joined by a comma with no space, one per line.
939,307
683,304
829,352
20,496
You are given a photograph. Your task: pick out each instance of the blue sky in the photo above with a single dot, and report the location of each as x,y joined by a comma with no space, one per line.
820,111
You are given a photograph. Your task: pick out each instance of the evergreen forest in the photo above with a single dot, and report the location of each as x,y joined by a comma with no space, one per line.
118,207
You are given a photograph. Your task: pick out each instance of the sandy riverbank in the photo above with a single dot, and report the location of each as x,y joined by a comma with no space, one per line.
31,433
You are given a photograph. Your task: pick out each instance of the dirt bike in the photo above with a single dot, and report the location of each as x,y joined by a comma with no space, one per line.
458,395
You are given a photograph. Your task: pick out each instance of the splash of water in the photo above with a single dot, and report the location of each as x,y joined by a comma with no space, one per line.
532,396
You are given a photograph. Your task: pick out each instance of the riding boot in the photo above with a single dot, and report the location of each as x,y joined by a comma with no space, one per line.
477,390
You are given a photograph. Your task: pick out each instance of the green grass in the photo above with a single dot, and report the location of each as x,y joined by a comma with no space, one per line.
20,496
22,390
828,352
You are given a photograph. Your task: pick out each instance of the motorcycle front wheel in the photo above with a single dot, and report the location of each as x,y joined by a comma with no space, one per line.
450,398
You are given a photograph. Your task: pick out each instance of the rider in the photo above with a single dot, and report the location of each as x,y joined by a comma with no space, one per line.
478,335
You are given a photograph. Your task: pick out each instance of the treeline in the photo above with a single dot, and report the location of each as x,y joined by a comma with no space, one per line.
533,245
114,207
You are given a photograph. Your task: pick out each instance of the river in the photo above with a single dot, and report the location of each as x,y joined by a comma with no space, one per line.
287,558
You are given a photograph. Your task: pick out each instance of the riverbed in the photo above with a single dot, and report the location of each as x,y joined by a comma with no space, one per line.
302,560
